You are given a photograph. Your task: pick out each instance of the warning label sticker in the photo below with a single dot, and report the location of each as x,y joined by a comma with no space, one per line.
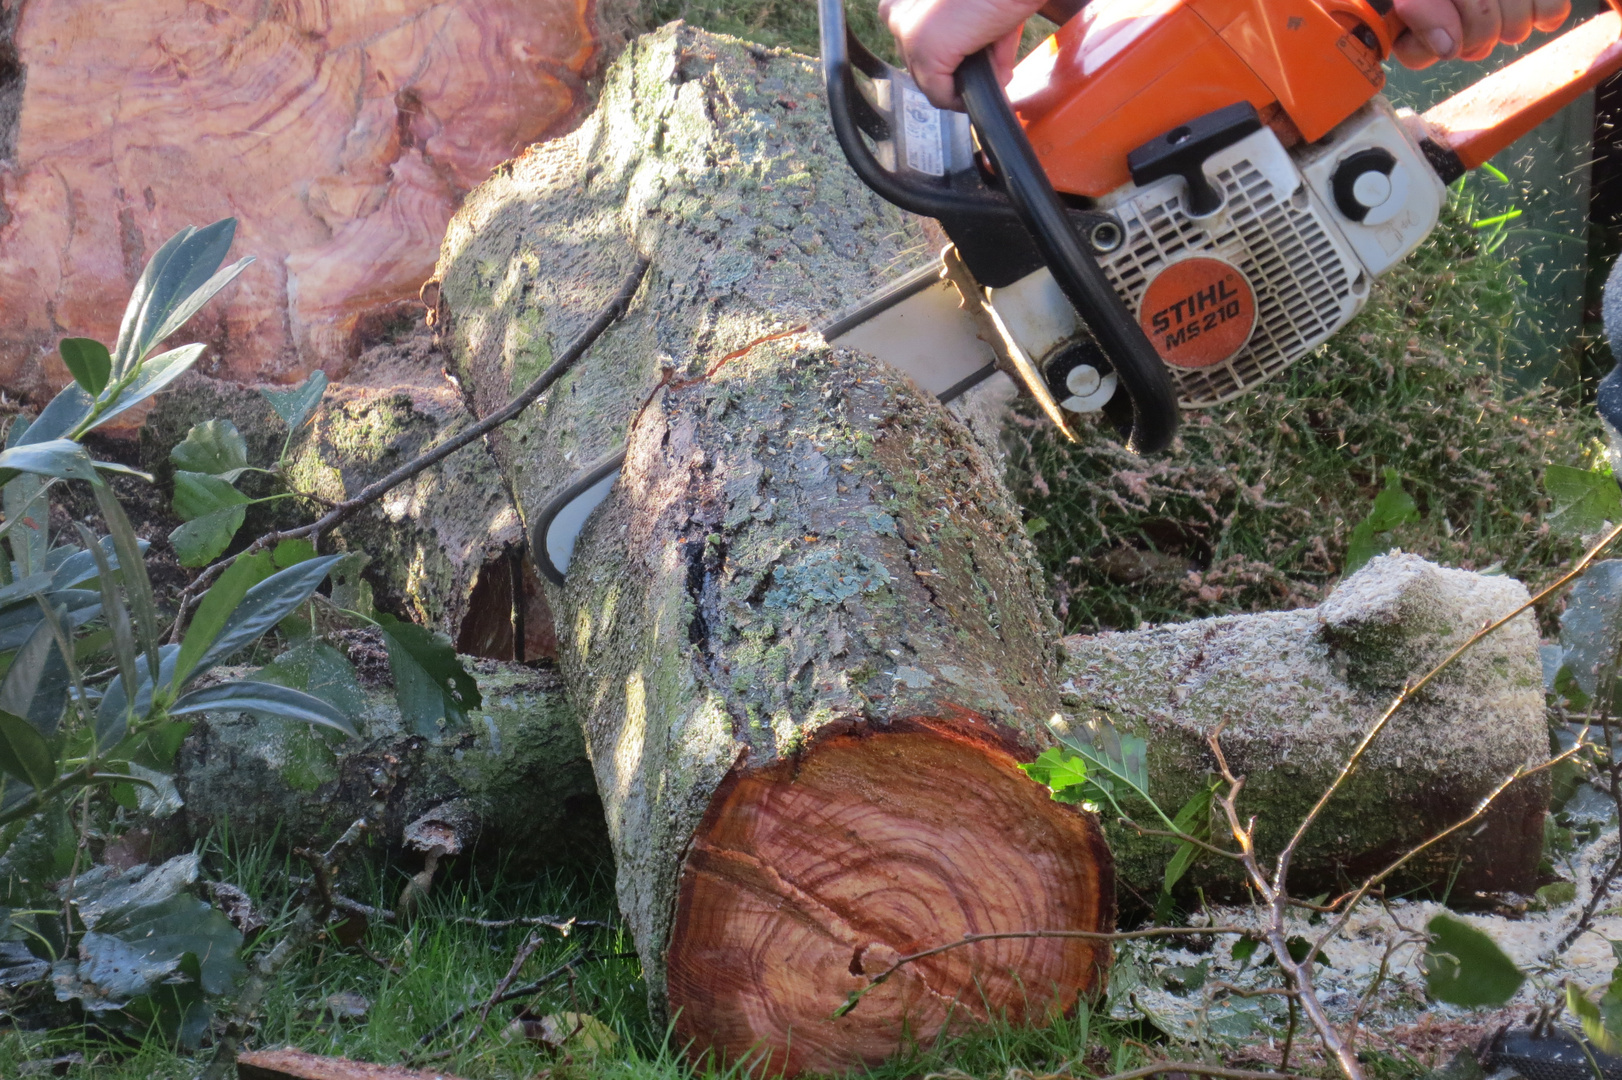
921,131
1198,312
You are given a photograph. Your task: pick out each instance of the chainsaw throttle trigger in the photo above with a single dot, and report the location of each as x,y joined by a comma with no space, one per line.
1138,367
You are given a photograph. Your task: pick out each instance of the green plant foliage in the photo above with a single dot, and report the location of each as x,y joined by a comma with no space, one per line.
1392,508
88,362
1591,629
1193,819
294,406
1065,775
214,447
212,510
432,688
1584,499
1463,966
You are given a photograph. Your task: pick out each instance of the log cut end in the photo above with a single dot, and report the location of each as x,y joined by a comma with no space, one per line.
811,877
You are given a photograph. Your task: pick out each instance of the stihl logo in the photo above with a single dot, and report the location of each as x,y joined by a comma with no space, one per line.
1198,312
1205,309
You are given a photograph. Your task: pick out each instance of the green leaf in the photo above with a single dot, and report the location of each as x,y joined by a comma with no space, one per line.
1584,500
1063,774
1194,819
36,685
291,552
216,607
155,375
294,406
1464,967
212,510
58,457
1392,507
198,494
28,511
1591,627
24,753
215,448
317,668
262,607
263,699
1244,949
430,684
1120,756
1593,1023
66,411
202,540
112,605
113,714
132,569
88,362
177,281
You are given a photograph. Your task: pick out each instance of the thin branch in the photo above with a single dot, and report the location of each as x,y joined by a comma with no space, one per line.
1194,1068
526,990
377,489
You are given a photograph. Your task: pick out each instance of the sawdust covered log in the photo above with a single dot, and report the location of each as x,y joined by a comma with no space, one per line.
342,134
806,634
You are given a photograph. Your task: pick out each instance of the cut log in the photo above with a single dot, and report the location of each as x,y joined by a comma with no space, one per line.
807,634
342,134
1294,691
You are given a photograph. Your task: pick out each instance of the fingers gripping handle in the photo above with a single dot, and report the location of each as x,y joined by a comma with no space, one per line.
1470,127
1137,365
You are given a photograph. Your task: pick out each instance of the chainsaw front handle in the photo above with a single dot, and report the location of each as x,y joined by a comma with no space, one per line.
1137,365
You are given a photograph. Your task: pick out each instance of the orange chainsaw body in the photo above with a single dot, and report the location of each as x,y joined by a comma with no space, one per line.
1124,72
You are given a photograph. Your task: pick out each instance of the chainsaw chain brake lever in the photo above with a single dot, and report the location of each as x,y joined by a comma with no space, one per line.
1137,365
1023,213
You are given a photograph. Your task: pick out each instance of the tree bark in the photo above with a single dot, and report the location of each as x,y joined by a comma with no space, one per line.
807,634
342,135
1292,692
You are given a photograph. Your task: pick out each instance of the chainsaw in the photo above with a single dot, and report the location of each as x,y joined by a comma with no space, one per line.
1172,202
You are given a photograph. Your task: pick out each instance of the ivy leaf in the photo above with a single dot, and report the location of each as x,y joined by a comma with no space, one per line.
1584,499
1463,966
432,687
212,510
1119,756
1063,774
215,448
294,406
1392,507
88,362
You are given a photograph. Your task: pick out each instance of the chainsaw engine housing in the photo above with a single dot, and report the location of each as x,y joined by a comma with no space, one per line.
1231,297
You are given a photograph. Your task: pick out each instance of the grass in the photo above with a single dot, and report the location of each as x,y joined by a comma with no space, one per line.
441,964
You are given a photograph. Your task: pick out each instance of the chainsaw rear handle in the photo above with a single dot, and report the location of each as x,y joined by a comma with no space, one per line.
1137,364
1027,204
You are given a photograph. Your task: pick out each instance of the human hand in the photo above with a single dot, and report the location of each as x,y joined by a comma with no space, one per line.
936,35
1468,29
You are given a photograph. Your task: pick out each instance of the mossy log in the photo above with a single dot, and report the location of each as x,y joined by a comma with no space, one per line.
519,769
445,549
1292,693
806,635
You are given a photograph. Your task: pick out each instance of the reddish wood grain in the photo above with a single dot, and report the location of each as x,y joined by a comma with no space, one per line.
343,134
810,877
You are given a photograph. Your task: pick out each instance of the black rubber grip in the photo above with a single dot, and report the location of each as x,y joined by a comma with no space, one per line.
1138,366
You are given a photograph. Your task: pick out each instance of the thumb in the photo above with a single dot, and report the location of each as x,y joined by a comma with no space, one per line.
1005,54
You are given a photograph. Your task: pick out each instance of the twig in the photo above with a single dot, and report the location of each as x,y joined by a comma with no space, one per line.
1601,884
562,924
307,926
1289,1034
519,992
1221,1072
378,488
525,951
